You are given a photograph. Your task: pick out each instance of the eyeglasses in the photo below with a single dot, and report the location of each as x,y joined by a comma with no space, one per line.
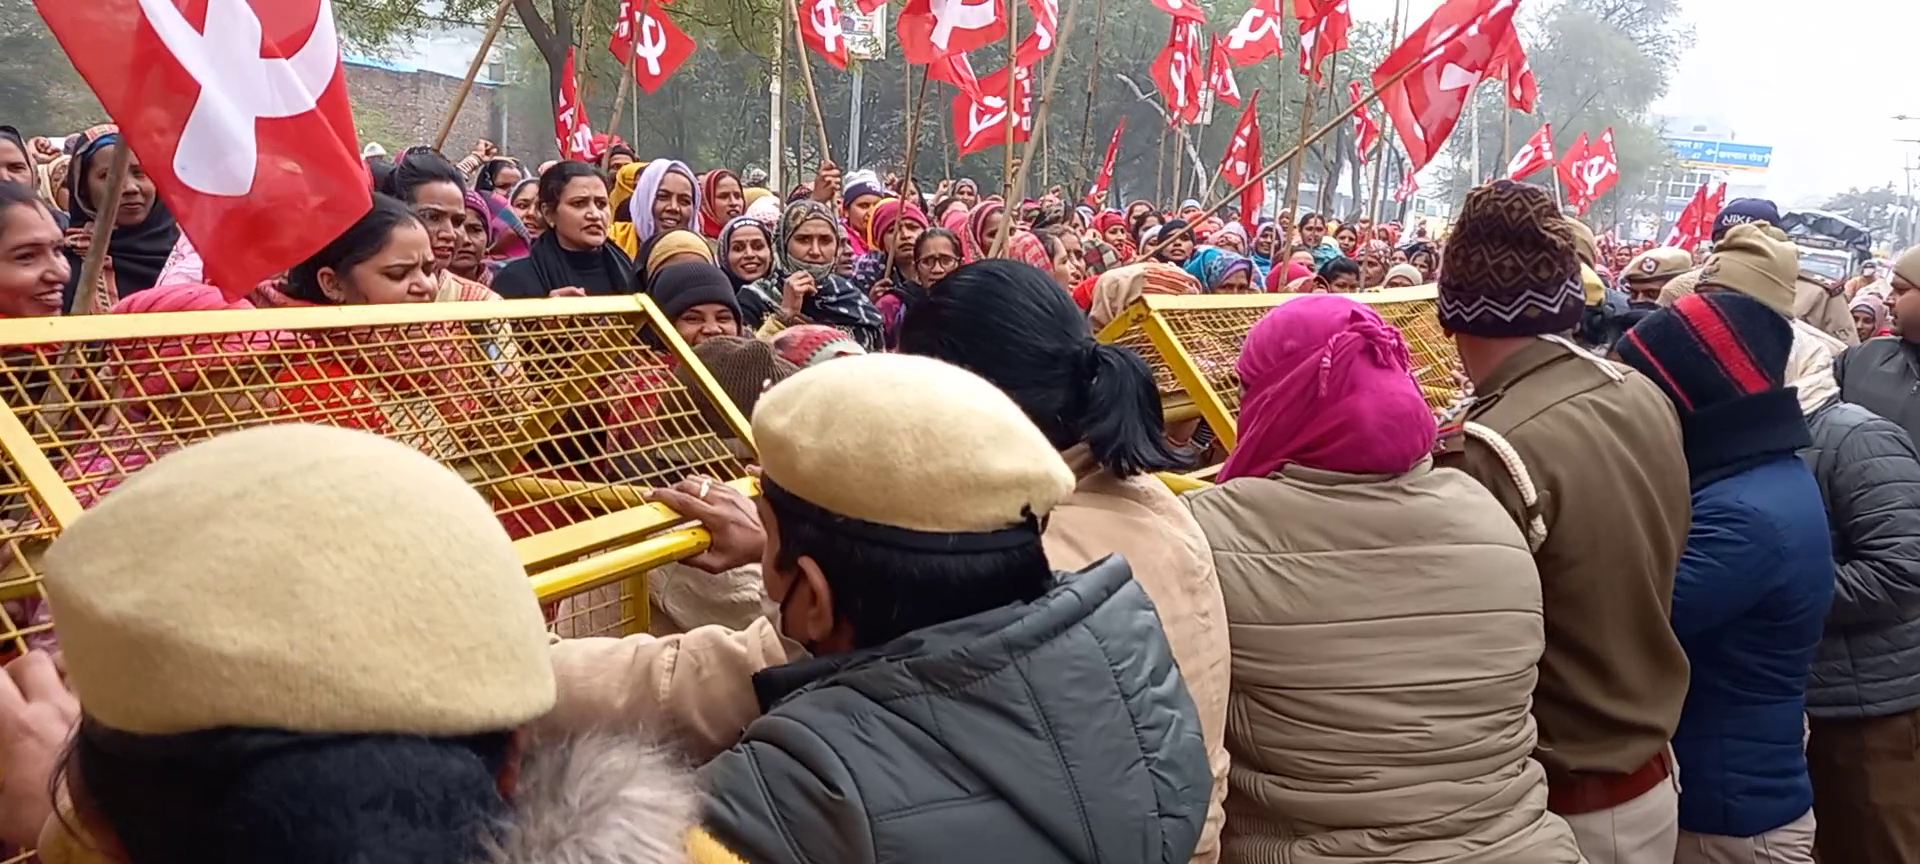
938,261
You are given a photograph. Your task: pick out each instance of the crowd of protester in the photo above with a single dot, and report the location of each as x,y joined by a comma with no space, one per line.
1649,592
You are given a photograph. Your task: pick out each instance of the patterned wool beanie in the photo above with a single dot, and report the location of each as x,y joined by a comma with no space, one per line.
1509,268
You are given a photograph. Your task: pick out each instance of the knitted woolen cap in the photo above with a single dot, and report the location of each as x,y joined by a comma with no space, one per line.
1907,266
907,442
804,345
302,578
1510,268
1710,349
1755,259
744,368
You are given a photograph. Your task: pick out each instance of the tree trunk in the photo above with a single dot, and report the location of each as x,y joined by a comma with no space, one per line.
552,41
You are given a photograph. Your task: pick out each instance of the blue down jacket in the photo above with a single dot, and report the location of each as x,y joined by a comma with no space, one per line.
1749,604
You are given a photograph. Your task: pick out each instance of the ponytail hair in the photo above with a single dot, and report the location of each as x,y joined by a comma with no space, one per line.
1010,323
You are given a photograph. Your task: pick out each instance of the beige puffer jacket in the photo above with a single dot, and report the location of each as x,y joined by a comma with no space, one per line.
1385,632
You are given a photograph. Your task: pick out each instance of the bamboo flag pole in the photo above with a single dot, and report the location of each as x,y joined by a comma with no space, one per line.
473,71
1275,165
1006,161
906,171
1046,99
1160,168
620,94
1306,123
58,399
806,77
1086,120
1380,151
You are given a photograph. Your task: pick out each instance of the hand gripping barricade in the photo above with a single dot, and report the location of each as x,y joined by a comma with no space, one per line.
559,412
1192,343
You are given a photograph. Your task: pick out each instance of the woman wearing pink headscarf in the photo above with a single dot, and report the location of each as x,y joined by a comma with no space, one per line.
1384,617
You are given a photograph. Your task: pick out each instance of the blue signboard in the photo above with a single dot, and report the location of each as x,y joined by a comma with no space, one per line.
1695,153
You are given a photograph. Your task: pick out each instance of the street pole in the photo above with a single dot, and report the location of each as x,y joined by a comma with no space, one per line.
853,118
775,109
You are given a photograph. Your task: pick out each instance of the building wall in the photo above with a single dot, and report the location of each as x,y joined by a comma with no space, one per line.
400,106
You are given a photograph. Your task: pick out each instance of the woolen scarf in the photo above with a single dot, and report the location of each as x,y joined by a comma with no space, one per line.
554,266
139,251
834,301
976,232
712,222
734,226
647,187
1328,385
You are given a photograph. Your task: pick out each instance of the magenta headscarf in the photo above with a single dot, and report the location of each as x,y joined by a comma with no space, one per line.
1328,385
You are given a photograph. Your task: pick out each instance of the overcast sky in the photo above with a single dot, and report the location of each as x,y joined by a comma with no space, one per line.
1814,80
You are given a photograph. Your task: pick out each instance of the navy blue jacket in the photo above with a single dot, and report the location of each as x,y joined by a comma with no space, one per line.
1749,605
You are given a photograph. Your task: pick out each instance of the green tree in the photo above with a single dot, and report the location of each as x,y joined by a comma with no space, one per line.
1874,207
42,93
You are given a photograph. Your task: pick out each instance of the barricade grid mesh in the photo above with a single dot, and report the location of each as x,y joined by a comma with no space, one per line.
557,419
1212,330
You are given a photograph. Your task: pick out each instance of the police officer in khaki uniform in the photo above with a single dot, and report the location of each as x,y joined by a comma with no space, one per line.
1739,211
1586,456
1650,271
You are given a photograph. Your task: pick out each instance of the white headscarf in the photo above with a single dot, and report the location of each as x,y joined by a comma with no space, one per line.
647,187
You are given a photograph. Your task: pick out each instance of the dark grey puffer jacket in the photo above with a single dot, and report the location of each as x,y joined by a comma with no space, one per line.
1869,473
1055,731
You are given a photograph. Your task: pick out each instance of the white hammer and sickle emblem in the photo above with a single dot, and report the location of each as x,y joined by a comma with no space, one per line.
653,43
951,15
218,154
1254,26
825,15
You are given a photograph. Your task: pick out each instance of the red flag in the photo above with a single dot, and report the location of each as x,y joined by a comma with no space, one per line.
662,48
1101,184
570,125
1220,75
1039,43
979,124
931,29
1258,35
1716,202
1323,30
1426,81
957,70
1599,171
1368,131
1183,10
1511,65
1569,170
820,29
867,6
237,126
1686,232
1177,72
1408,186
1536,154
1243,160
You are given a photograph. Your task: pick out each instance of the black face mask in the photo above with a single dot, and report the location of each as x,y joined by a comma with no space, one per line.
1644,306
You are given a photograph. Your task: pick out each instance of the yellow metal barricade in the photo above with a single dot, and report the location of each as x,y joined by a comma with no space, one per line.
1192,343
559,412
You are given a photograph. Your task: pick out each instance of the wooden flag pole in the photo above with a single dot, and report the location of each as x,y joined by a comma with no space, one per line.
1275,165
906,171
473,71
86,296
1386,129
620,94
1046,97
806,77
1306,123
1006,161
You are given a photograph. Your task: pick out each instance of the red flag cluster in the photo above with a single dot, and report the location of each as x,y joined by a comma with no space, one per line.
1536,154
1589,171
570,126
238,120
1098,194
648,40
1695,225
1426,82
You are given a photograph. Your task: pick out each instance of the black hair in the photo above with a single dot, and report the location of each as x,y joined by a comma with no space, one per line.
1011,324
1308,217
935,232
485,179
355,245
1138,223
553,182
417,168
1347,226
885,593
1050,241
1339,265
14,194
940,209
232,796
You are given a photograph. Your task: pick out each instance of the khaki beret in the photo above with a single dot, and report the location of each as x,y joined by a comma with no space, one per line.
907,442
1584,245
1663,262
1907,267
302,578
1755,259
